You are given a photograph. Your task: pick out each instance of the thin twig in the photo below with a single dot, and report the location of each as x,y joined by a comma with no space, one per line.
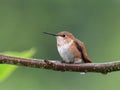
59,66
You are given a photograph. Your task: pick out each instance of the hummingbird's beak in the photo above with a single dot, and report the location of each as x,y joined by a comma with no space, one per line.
50,34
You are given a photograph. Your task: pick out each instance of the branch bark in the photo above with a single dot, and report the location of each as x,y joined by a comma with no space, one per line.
104,68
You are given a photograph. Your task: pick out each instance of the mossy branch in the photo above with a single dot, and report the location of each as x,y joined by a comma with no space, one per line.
104,68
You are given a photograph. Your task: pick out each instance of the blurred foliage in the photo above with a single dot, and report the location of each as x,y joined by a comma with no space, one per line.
6,70
95,22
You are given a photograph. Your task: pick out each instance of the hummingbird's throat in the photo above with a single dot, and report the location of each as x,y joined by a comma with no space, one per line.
63,41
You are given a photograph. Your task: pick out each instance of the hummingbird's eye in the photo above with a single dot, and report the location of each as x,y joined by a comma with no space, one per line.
63,35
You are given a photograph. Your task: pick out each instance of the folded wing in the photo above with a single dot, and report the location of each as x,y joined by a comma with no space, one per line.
80,46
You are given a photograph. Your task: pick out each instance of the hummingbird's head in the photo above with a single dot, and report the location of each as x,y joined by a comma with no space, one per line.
63,37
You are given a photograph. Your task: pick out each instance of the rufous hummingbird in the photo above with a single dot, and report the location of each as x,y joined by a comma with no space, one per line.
70,49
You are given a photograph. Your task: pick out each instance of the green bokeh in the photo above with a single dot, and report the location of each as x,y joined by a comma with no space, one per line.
96,22
6,69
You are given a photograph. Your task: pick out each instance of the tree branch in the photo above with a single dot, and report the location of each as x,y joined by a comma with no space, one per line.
58,66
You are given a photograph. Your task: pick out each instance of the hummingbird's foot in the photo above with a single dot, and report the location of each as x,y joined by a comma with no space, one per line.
63,62
67,62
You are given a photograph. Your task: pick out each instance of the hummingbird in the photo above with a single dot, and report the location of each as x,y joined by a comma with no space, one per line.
70,48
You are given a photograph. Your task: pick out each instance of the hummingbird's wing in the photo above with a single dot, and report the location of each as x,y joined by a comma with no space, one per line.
81,47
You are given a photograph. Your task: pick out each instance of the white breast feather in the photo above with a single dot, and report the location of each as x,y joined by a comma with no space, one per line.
63,51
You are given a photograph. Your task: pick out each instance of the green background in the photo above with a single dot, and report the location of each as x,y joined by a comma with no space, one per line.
95,22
